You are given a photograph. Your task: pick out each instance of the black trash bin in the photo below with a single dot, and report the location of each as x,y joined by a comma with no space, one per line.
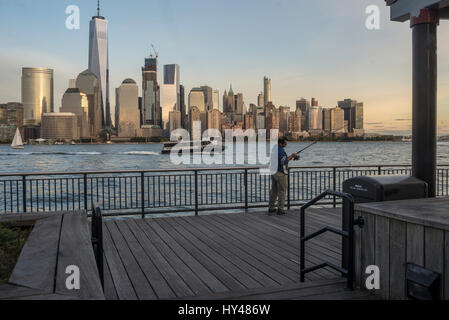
385,188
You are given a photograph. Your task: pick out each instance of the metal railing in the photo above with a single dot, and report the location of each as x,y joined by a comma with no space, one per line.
178,190
347,234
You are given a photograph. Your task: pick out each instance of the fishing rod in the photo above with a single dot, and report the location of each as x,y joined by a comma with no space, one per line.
315,142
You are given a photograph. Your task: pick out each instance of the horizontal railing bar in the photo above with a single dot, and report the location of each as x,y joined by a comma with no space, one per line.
56,173
326,229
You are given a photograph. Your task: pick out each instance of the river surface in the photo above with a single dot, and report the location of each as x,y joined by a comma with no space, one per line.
64,158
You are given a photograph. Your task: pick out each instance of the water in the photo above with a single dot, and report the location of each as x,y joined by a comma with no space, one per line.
147,156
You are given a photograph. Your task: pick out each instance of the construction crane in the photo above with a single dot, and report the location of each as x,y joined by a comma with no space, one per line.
155,52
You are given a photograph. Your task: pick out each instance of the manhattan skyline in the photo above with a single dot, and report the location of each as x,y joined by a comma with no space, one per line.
307,50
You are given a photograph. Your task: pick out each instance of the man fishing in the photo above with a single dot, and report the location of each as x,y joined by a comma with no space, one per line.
279,182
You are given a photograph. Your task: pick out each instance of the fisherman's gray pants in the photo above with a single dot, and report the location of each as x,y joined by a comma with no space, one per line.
278,190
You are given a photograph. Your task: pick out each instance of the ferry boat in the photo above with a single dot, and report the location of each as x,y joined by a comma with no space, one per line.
192,146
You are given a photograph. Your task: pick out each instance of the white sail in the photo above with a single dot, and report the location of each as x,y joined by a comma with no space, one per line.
17,142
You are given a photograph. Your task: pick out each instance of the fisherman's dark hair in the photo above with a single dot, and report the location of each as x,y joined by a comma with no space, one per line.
282,140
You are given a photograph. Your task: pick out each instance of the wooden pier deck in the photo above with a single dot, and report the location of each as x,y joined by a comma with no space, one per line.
221,256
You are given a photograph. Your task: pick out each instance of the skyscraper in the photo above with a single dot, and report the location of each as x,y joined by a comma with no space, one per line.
216,99
152,113
182,106
315,118
127,109
266,90
260,100
76,102
88,84
304,106
196,99
208,98
37,93
170,92
99,61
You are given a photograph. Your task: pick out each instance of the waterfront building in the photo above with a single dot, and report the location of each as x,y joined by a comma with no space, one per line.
194,115
315,118
229,101
196,99
170,92
208,98
74,101
151,113
88,84
248,122
59,126
327,120
239,106
304,106
260,100
272,118
266,90
284,115
294,121
174,120
127,110
182,108
214,119
37,93
338,120
314,102
99,62
11,118
216,99
353,114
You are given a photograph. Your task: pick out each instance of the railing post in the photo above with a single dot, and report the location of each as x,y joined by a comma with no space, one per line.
142,192
335,185
379,170
196,192
24,193
246,189
288,190
85,190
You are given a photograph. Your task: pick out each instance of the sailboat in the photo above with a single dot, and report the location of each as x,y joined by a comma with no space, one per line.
17,142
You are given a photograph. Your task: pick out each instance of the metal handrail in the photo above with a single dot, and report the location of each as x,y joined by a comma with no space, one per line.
97,240
62,173
347,234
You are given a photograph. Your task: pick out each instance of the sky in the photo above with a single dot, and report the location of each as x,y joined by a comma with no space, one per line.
317,48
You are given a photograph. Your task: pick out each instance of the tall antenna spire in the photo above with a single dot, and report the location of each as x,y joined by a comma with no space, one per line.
98,8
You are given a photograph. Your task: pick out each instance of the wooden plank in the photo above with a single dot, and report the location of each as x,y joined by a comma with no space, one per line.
243,278
368,245
398,253
272,267
434,249
174,280
9,291
156,280
382,255
415,244
139,281
213,267
36,265
207,277
226,251
230,252
285,289
122,283
191,278
75,249
109,289
280,243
